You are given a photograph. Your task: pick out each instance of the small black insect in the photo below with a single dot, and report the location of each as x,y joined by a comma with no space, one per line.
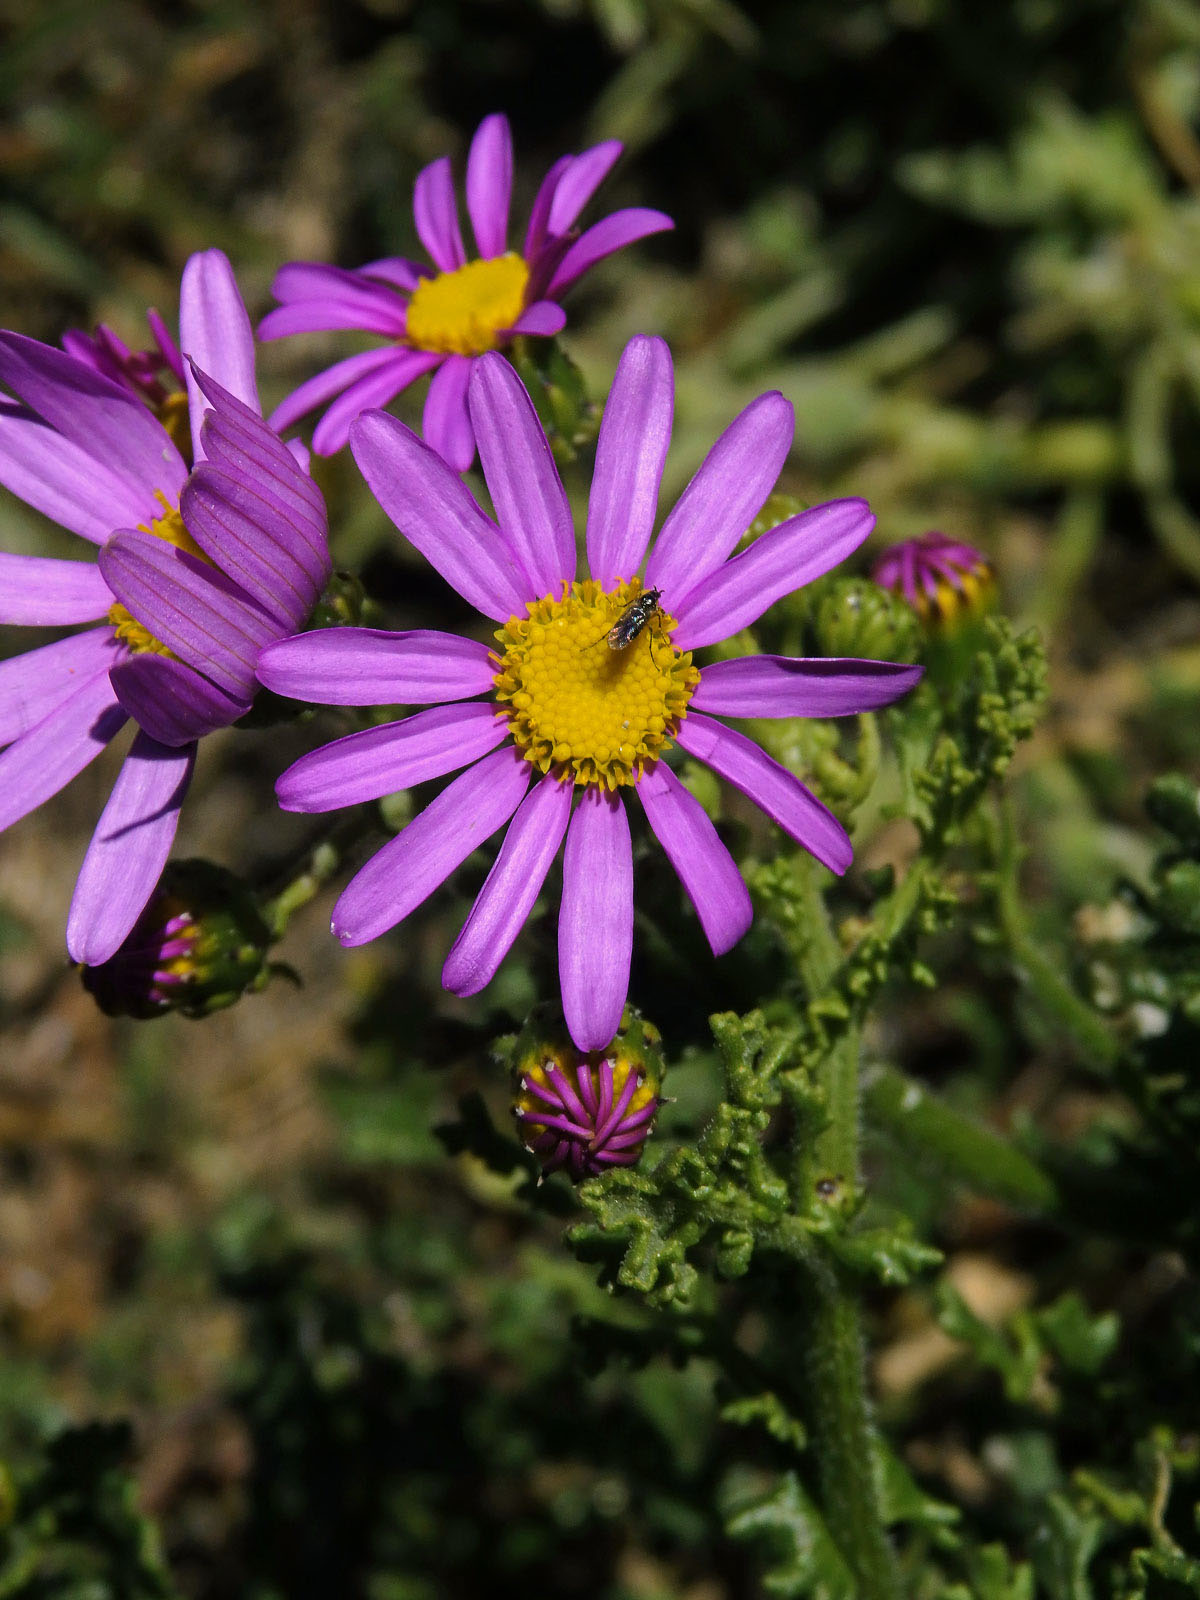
633,619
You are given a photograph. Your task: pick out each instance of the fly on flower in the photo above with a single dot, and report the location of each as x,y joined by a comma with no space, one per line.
633,619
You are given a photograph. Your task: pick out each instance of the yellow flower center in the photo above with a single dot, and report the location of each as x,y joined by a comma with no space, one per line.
170,528
595,714
464,312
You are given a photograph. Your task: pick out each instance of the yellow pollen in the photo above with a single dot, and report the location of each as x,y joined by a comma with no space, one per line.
594,714
173,414
464,312
169,527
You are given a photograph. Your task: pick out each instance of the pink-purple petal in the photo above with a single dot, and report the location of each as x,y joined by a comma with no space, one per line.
32,684
316,391
41,591
214,334
376,310
45,759
791,555
705,868
436,513
254,531
190,607
168,348
172,703
129,849
772,788
251,542
446,422
371,667
539,215
411,866
579,183
603,239
531,504
722,500
435,213
378,388
786,686
299,281
489,184
595,924
61,479
543,319
104,419
237,440
635,432
399,755
512,886
398,271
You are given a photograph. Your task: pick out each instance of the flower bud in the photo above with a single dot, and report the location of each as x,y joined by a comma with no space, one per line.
199,945
584,1113
854,617
942,579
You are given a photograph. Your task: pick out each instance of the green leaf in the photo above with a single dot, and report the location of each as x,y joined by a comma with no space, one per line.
891,1255
1082,1343
1063,1547
804,1561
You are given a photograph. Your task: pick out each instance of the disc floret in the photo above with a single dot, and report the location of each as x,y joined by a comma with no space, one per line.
170,529
597,715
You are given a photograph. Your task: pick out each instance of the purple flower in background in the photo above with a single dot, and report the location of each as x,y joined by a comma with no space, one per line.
554,710
141,371
438,318
939,577
196,571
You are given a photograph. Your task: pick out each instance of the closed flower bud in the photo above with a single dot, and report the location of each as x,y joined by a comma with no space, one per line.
586,1113
200,944
854,617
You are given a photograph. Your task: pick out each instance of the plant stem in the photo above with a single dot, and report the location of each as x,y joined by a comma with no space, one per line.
838,1411
318,864
843,1432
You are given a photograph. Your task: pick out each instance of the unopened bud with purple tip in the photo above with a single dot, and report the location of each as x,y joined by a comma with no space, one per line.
585,1113
200,944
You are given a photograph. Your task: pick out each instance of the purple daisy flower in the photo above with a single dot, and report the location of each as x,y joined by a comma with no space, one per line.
553,709
196,570
438,319
939,577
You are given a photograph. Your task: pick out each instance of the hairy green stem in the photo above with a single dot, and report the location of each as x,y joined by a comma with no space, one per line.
838,1410
843,1434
